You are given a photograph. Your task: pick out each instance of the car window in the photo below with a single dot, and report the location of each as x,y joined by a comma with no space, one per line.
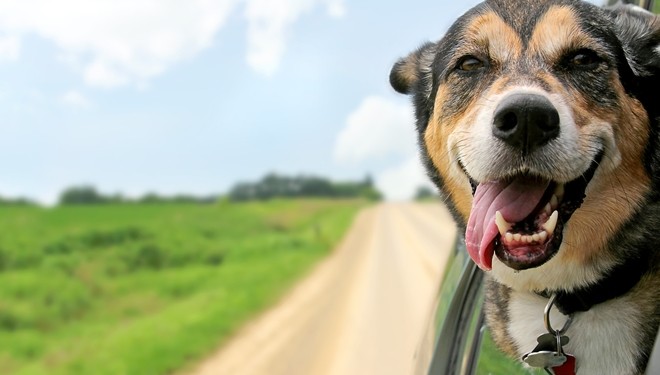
455,268
456,265
461,340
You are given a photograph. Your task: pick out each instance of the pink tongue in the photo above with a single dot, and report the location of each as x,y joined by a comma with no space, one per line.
515,200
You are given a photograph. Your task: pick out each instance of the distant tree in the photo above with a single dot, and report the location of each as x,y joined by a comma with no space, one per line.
273,186
20,201
372,194
242,192
89,195
81,195
153,198
425,193
116,198
150,198
316,187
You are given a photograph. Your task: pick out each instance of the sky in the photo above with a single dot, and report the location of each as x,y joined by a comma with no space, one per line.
170,96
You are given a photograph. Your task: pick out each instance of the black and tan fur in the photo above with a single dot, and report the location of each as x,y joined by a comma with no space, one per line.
613,107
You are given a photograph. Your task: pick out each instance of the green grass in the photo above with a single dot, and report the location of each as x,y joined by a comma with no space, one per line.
146,289
493,362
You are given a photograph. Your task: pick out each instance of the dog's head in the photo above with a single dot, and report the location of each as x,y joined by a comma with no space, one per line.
535,120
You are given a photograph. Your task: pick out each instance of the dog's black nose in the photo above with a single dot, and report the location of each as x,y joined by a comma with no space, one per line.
526,121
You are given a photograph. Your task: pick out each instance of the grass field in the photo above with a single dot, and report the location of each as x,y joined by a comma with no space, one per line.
146,289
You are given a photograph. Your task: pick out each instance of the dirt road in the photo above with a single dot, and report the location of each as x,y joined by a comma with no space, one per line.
362,311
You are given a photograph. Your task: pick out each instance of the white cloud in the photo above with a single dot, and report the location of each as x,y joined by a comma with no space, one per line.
381,128
401,181
75,99
336,8
269,23
378,127
120,42
98,73
10,47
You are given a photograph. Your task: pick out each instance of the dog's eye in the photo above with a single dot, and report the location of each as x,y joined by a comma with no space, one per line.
469,64
584,59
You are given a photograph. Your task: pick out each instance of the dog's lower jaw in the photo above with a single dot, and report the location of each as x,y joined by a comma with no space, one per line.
556,274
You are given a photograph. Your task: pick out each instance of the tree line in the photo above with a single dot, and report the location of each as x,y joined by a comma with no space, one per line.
280,186
87,194
269,187
16,202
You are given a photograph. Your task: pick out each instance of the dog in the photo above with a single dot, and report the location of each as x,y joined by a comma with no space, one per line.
539,121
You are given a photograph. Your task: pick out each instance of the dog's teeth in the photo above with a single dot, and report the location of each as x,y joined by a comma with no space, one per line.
559,191
543,235
554,202
517,236
502,225
536,237
509,237
548,208
550,225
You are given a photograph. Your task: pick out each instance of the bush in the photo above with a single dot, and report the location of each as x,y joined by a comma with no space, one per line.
96,239
146,257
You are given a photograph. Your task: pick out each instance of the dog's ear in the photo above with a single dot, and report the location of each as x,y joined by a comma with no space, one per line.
639,33
414,70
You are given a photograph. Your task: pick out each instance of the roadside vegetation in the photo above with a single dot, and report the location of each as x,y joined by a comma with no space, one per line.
270,186
305,186
426,194
148,288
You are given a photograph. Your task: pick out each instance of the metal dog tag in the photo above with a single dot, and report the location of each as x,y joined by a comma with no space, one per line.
544,359
548,341
547,353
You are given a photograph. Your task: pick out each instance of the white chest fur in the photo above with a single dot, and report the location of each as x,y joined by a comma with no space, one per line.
604,339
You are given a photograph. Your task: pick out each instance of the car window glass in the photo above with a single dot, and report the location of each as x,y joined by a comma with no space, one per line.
455,266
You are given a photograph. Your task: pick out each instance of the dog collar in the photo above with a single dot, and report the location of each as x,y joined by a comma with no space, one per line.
618,281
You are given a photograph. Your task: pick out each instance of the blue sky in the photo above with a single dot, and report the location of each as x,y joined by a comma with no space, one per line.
135,96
